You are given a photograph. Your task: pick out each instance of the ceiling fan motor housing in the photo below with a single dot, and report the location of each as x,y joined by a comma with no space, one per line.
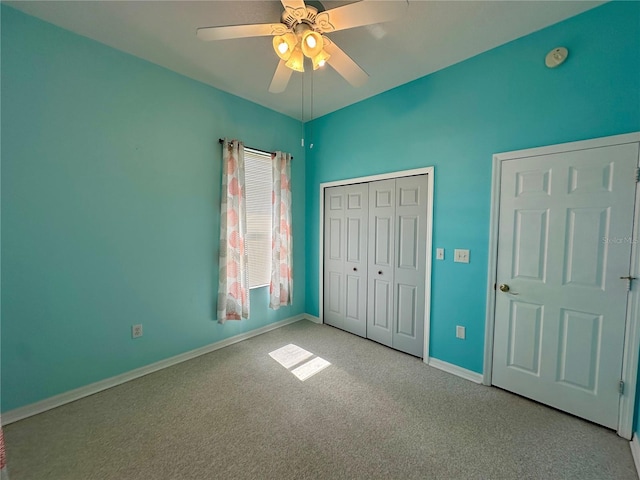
292,17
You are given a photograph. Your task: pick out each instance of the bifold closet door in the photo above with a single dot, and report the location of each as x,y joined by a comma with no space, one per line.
410,264
345,258
397,263
375,260
380,314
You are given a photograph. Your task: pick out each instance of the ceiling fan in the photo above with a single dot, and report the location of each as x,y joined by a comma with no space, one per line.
302,33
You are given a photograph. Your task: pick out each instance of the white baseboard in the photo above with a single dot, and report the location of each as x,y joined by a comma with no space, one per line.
455,370
635,451
313,318
78,393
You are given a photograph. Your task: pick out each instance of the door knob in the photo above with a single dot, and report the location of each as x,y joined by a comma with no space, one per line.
355,269
379,272
506,289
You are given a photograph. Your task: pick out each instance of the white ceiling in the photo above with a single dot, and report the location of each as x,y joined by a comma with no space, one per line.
431,36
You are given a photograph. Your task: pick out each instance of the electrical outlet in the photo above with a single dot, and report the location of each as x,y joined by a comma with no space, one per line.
439,253
136,331
461,256
461,332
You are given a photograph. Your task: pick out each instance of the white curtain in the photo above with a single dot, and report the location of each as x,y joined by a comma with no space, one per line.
281,287
233,290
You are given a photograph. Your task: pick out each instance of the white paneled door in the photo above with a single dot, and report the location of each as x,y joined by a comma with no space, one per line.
375,237
345,258
397,237
382,215
564,248
409,281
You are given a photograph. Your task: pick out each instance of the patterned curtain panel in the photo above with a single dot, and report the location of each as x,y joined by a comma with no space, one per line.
4,475
233,291
281,287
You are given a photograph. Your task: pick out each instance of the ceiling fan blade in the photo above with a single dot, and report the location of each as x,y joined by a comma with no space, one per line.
365,12
240,31
280,78
293,4
345,66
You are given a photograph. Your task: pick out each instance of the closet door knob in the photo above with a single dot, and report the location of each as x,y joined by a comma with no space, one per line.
355,269
379,272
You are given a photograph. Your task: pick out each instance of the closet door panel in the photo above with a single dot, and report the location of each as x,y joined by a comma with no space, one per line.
380,312
334,257
356,225
407,310
410,264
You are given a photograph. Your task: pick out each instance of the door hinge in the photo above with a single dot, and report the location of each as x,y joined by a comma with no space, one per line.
495,286
637,174
621,387
629,279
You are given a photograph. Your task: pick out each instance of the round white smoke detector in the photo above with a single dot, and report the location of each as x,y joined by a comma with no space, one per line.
556,57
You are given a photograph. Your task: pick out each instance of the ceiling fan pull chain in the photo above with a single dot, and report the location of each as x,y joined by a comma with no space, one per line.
311,115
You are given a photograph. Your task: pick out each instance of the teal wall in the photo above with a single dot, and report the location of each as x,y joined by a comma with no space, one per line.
110,210
455,120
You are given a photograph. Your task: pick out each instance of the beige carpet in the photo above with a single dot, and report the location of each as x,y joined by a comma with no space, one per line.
374,413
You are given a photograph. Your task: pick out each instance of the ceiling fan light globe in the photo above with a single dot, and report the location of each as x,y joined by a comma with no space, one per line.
312,43
320,60
283,45
296,60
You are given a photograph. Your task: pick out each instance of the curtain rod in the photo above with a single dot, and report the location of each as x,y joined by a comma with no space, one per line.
221,141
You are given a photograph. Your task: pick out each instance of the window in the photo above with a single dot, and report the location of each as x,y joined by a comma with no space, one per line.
258,184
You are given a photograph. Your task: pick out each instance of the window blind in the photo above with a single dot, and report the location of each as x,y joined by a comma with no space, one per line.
258,184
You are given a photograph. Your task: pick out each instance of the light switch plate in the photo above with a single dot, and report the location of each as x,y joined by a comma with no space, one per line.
439,253
461,256
460,332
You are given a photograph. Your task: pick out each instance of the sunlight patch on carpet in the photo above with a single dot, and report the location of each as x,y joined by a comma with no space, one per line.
310,368
292,355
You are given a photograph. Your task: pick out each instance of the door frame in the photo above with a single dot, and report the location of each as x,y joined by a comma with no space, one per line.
631,352
429,172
